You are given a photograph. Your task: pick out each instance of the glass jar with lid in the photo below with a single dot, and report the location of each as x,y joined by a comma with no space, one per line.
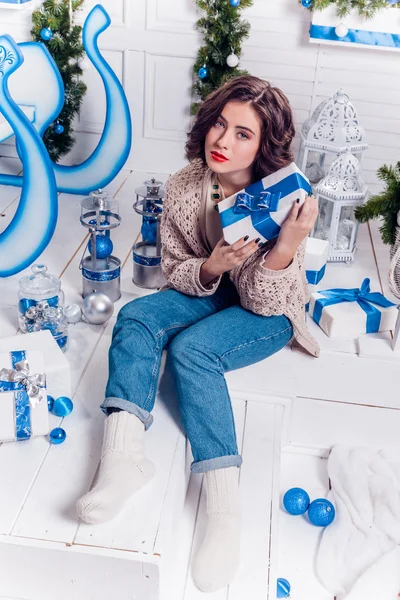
41,305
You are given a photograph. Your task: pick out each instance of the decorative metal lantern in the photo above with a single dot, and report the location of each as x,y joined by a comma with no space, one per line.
100,269
147,272
332,129
338,194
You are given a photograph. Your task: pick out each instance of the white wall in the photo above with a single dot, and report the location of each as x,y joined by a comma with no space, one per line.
152,45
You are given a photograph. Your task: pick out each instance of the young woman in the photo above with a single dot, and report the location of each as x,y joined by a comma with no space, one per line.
227,307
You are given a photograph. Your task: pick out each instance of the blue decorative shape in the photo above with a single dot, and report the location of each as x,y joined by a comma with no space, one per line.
58,128
314,277
63,406
62,342
57,435
282,588
296,501
50,402
321,512
234,3
202,72
356,36
24,304
46,34
26,236
104,246
306,3
101,275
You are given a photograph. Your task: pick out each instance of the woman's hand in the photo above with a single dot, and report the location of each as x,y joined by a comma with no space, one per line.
294,230
225,257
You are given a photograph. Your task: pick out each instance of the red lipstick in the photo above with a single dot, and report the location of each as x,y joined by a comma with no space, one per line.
218,157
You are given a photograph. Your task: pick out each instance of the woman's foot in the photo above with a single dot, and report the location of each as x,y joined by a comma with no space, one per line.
123,469
218,558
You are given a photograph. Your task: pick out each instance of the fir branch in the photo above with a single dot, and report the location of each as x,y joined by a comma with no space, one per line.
365,8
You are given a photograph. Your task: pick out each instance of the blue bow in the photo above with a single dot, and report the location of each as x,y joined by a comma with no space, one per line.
245,203
362,296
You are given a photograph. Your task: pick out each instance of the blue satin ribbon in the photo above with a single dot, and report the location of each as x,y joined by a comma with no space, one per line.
22,407
356,36
101,275
314,277
259,203
362,296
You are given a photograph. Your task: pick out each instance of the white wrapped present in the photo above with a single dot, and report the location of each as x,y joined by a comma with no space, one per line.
315,259
382,32
58,377
260,209
23,396
351,312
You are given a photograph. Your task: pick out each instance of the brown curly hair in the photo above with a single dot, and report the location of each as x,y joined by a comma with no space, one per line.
275,113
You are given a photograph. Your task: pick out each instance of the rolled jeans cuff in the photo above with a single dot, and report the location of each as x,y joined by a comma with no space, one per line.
221,462
130,407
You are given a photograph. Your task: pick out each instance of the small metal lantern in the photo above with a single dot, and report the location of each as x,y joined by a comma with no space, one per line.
100,269
147,272
332,129
338,194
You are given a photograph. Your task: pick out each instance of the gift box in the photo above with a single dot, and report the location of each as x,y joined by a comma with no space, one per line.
315,259
23,396
58,377
351,312
260,209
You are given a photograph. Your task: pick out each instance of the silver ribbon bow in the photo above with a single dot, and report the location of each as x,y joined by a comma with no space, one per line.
21,375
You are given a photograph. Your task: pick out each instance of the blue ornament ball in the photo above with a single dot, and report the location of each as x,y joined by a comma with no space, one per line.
282,588
24,304
306,3
58,128
234,3
50,402
296,501
202,72
321,512
57,435
46,34
63,406
104,246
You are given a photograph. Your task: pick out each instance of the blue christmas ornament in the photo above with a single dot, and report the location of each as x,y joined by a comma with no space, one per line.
321,512
63,406
104,246
306,3
282,588
234,3
50,402
46,34
202,72
58,128
296,501
57,435
24,304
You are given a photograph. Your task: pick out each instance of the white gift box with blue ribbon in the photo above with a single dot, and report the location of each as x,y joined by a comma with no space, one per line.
260,209
351,312
382,32
23,397
315,259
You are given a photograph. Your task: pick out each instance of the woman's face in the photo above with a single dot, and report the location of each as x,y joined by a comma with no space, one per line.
233,141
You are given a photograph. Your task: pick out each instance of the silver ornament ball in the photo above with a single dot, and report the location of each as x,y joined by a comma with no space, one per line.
73,313
97,308
232,60
43,305
31,313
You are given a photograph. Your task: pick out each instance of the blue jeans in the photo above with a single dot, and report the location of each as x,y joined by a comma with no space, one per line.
205,337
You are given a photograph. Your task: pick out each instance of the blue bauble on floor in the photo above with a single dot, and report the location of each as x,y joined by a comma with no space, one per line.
296,501
282,588
321,512
57,435
63,406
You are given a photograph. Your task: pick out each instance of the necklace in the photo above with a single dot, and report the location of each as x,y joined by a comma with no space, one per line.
217,192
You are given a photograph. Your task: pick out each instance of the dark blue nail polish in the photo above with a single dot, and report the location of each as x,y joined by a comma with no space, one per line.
261,244
298,200
257,240
246,237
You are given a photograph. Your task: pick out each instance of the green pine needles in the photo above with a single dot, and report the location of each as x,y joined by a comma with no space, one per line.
366,8
223,31
385,205
66,48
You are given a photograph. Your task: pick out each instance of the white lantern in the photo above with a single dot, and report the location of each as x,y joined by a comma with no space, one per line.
332,129
338,194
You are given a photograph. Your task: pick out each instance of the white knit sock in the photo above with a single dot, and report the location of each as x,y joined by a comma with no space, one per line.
123,469
218,559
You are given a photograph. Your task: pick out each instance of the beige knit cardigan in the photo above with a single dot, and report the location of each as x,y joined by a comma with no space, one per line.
185,248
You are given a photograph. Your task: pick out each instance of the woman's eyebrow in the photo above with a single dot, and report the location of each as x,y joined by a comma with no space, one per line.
238,126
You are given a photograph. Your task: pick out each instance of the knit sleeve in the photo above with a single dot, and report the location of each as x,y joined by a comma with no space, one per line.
180,264
268,292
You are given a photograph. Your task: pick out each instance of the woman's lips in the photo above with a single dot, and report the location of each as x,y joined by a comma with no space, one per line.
219,157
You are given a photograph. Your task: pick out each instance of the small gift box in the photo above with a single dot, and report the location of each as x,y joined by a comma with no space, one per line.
315,259
23,396
350,312
260,209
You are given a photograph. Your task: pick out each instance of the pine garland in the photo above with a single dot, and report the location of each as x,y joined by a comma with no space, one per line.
385,205
66,48
223,31
366,8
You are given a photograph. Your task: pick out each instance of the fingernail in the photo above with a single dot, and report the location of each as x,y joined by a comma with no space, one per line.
216,207
257,240
298,200
261,244
246,237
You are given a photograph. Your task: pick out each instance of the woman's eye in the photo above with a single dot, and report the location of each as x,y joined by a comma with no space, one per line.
245,137
219,124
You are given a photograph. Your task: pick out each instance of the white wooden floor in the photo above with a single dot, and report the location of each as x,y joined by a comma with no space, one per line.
289,411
